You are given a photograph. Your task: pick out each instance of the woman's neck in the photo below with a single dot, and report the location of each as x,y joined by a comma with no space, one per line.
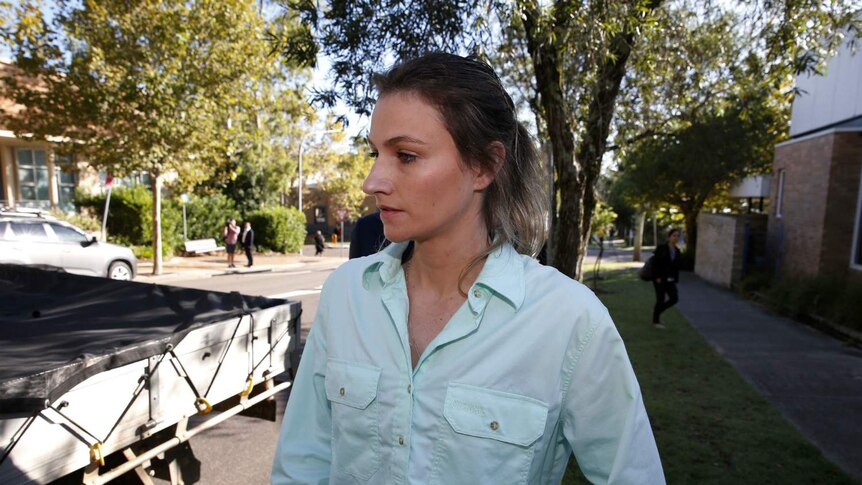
436,266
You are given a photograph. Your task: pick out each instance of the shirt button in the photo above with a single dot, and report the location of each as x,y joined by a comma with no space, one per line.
409,388
341,391
401,440
495,425
477,293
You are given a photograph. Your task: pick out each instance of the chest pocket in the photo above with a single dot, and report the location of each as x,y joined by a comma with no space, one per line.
351,388
487,436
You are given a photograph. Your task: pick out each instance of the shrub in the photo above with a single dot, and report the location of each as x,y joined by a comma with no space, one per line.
206,216
845,309
130,217
278,228
755,282
86,222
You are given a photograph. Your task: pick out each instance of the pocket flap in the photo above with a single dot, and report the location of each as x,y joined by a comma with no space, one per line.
486,413
351,383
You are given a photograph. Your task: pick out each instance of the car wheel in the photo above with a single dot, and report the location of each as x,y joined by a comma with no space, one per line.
119,271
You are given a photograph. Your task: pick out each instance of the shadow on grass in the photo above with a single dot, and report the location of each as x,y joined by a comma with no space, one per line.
710,425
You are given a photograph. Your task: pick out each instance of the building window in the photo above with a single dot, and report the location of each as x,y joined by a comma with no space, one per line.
33,179
779,197
856,255
134,178
320,214
67,180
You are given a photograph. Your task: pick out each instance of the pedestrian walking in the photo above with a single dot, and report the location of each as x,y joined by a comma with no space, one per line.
319,243
230,233
248,242
452,355
665,276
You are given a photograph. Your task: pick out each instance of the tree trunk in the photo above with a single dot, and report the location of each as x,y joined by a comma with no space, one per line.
690,218
577,171
596,126
639,235
544,53
157,223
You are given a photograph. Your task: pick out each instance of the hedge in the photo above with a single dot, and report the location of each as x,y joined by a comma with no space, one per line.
278,229
130,217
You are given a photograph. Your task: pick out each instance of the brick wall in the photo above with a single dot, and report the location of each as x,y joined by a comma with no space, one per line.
795,239
721,246
716,236
846,169
814,235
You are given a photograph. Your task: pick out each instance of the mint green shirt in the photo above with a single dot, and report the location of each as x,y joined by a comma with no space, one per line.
528,370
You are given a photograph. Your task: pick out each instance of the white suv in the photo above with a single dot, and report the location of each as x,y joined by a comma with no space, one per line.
34,238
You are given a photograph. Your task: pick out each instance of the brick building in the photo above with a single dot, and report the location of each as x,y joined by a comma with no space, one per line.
32,173
815,216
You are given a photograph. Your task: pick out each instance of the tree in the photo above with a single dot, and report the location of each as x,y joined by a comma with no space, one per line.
141,85
688,167
703,108
573,54
343,177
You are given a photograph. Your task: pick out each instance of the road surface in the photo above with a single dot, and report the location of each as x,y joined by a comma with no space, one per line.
240,450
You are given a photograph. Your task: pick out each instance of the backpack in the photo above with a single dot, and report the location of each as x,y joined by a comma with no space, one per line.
646,271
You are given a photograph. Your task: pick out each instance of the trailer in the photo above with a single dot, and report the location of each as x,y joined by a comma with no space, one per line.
99,378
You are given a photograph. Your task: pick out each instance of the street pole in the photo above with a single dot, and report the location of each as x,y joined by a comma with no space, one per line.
185,198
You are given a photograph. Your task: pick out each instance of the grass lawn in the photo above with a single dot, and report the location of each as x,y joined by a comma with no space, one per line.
711,426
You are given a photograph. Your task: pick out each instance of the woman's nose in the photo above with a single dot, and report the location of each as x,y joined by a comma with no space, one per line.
377,182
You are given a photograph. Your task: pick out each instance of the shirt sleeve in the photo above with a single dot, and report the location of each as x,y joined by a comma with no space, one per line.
604,420
304,451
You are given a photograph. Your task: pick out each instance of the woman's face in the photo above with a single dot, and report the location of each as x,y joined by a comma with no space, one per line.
422,188
674,238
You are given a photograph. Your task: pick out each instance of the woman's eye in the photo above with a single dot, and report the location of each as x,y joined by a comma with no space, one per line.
406,157
373,154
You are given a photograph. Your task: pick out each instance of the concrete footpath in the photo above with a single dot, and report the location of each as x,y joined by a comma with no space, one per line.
185,267
814,380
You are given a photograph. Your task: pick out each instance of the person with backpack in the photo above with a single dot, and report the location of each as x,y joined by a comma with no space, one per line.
665,275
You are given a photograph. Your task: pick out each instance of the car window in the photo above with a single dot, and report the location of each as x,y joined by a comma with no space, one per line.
67,234
29,231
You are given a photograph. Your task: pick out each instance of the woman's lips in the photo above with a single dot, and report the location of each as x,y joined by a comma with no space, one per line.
386,211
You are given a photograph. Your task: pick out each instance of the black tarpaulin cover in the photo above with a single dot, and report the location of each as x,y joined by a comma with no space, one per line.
58,329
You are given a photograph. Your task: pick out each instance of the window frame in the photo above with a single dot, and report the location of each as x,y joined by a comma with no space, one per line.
855,249
65,164
779,196
33,166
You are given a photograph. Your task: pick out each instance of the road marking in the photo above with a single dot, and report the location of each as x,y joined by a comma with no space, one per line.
294,293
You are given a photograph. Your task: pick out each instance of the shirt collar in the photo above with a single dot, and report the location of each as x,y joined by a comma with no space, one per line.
503,272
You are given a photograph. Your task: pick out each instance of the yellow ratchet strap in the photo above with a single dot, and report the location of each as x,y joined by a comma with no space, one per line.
203,406
249,386
96,454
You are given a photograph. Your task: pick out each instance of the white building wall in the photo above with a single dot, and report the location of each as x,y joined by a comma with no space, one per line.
829,99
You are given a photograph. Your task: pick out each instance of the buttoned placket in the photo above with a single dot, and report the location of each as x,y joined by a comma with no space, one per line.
397,305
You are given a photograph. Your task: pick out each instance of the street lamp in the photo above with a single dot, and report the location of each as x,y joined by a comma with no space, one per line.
301,145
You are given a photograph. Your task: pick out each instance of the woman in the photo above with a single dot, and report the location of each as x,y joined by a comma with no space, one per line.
666,270
448,357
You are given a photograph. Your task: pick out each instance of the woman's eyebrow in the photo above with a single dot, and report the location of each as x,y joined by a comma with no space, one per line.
396,140
403,139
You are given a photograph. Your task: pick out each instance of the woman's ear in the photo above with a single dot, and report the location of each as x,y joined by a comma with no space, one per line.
484,174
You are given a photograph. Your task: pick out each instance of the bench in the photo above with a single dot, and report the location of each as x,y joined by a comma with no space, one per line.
199,246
